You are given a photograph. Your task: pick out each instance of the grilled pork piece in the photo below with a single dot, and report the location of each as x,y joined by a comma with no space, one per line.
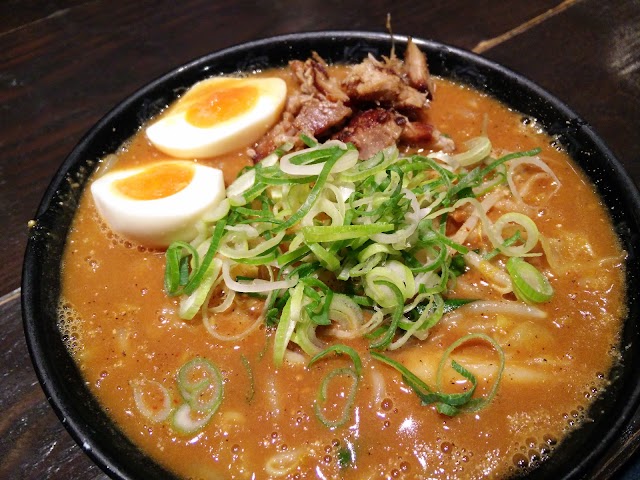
314,79
372,130
379,103
415,63
417,133
318,115
374,82
316,109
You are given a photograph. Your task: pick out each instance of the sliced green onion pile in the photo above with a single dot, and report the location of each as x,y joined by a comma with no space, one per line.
363,248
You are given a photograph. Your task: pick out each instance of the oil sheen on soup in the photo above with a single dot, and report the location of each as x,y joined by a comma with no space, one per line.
460,323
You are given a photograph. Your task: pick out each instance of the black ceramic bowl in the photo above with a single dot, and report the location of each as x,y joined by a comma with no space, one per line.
585,452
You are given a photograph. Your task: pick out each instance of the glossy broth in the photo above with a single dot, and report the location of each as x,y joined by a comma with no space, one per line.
121,326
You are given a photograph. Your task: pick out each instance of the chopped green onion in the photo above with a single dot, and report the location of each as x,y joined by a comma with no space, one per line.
305,337
475,176
357,363
242,184
200,385
346,312
287,324
509,248
385,339
176,273
396,274
529,284
349,397
457,266
307,140
450,403
320,305
367,168
507,243
478,148
252,385
428,316
292,255
421,389
343,232
328,260
311,199
196,278
186,420
474,404
345,457
190,305
152,399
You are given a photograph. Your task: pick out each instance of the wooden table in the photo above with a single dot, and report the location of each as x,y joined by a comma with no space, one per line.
65,64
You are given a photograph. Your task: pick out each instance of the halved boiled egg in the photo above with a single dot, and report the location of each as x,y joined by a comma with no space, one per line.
158,203
219,115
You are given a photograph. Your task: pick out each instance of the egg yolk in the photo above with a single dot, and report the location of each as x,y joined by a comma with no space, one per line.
211,107
157,181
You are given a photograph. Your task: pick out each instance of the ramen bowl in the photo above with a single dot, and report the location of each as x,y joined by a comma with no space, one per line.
582,453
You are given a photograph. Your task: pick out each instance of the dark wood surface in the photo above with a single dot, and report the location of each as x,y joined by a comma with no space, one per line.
64,64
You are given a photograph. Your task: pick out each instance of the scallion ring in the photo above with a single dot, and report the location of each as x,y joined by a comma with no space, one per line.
200,385
529,284
349,397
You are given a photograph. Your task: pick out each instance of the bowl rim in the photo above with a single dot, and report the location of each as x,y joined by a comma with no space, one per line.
84,434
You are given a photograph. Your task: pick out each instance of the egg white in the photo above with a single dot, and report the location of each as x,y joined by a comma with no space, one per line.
174,135
159,222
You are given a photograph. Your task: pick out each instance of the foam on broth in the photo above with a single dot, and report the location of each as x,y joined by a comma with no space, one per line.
122,326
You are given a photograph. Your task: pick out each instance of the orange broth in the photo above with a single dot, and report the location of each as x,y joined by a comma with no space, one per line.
122,326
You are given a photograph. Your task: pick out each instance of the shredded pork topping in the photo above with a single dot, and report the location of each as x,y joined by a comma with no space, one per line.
380,102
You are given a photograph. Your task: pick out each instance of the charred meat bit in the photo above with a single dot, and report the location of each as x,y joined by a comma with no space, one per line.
372,130
315,109
318,116
415,63
417,133
372,82
283,132
381,102
315,80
